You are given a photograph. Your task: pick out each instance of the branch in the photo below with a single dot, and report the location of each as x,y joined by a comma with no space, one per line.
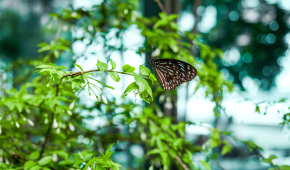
49,127
181,162
161,6
58,31
259,153
89,71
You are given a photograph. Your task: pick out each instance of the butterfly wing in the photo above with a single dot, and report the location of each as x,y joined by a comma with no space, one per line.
171,73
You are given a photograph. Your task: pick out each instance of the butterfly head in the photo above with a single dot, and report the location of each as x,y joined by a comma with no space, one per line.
152,62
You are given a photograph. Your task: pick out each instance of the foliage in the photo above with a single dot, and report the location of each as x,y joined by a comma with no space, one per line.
43,124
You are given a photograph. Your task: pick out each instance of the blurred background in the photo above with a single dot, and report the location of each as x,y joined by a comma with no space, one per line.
253,34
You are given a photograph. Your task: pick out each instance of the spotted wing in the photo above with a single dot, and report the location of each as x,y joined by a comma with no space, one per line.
171,73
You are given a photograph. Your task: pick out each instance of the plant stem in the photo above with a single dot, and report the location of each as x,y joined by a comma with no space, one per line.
58,31
89,71
161,6
49,127
181,162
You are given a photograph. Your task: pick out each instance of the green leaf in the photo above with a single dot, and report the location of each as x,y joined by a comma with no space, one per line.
154,151
56,53
131,87
284,167
61,67
144,70
44,66
101,66
45,168
43,44
46,48
142,84
62,154
149,90
115,76
91,162
67,162
269,160
34,155
28,164
152,78
178,142
79,67
88,156
35,167
45,160
226,149
113,64
282,100
108,153
128,68
19,106
77,83
257,109
97,167
251,145
205,164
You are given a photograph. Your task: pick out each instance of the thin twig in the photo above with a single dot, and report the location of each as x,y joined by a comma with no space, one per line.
49,128
58,31
259,153
89,71
181,162
161,6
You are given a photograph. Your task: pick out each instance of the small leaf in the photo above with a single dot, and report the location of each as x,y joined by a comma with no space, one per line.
257,109
45,168
61,67
56,53
226,149
284,167
144,70
62,154
10,105
88,156
205,164
35,167
149,91
79,67
46,48
131,87
269,160
108,153
143,85
45,160
97,167
115,76
45,66
113,64
101,66
128,68
34,155
28,164
152,78
154,151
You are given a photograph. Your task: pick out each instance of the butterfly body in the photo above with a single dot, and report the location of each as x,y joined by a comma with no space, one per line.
171,73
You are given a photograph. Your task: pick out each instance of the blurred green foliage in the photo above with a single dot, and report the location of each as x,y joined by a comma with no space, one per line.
42,125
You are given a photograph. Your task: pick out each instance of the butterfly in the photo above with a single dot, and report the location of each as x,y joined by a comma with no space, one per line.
171,73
